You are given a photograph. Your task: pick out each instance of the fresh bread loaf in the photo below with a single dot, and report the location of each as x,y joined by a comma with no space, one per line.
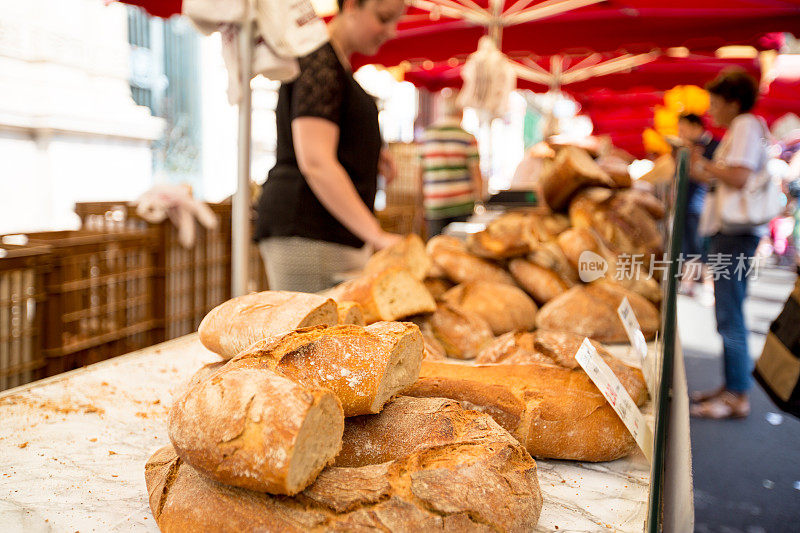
248,427
462,333
558,348
363,366
505,307
408,254
574,168
438,286
554,412
591,311
541,283
239,322
509,235
350,313
387,295
419,465
461,266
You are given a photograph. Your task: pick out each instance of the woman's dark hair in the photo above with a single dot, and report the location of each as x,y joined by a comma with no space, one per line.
691,118
735,86
341,3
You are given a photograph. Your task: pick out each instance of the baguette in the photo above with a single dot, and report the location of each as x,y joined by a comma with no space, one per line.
249,427
239,322
504,307
419,465
556,413
363,366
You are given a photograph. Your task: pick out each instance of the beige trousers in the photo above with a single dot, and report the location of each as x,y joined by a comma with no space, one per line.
309,265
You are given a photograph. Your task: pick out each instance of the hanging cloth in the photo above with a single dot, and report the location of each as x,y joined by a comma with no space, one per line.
488,80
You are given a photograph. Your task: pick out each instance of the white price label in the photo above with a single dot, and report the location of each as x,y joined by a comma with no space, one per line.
619,399
637,340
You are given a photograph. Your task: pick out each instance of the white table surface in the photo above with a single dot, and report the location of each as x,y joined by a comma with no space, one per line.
74,446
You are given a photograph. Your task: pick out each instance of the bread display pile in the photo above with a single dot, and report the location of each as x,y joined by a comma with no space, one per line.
306,430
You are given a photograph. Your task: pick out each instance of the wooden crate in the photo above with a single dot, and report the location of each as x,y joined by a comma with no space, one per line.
99,291
189,282
22,271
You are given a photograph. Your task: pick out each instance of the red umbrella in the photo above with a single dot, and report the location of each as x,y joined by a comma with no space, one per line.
661,74
636,25
158,8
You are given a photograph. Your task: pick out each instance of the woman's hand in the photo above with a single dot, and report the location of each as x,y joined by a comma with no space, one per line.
386,166
385,239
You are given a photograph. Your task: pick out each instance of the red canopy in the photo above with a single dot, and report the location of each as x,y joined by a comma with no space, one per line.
635,25
661,74
158,8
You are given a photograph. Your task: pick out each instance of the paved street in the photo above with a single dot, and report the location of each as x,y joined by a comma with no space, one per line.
746,472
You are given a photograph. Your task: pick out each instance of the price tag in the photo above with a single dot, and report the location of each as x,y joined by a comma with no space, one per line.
617,396
637,340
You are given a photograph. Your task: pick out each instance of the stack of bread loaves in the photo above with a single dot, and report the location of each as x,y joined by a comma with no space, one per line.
303,428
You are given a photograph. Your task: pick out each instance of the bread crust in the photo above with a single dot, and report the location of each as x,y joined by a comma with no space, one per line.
462,333
555,412
363,366
504,307
239,322
429,465
408,254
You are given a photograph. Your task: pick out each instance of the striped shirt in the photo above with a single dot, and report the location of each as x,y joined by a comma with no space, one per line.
446,151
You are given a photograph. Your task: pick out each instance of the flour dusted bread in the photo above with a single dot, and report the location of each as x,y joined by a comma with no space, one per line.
558,348
249,427
461,333
504,307
387,295
591,311
350,313
555,412
419,465
363,366
236,324
408,254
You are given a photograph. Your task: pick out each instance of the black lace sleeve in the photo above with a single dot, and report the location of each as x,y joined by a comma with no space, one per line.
319,88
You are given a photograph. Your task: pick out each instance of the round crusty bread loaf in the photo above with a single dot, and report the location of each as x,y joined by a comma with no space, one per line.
249,427
505,307
419,465
363,366
559,348
591,311
541,283
239,322
461,333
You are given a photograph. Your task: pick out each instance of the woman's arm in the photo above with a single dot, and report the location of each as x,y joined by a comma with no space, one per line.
733,176
315,142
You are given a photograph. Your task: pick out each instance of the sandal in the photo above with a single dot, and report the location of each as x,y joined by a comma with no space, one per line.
725,405
702,396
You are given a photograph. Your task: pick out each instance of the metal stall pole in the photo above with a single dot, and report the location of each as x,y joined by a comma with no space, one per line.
240,223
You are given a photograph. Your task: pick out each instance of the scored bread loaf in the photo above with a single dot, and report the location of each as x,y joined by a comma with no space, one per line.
504,307
428,465
461,333
558,348
554,412
250,427
363,366
387,295
591,311
350,313
408,254
239,322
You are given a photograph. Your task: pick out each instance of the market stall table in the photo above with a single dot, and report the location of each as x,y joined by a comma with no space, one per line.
74,448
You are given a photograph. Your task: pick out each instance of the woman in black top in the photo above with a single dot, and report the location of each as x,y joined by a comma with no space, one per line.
315,214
